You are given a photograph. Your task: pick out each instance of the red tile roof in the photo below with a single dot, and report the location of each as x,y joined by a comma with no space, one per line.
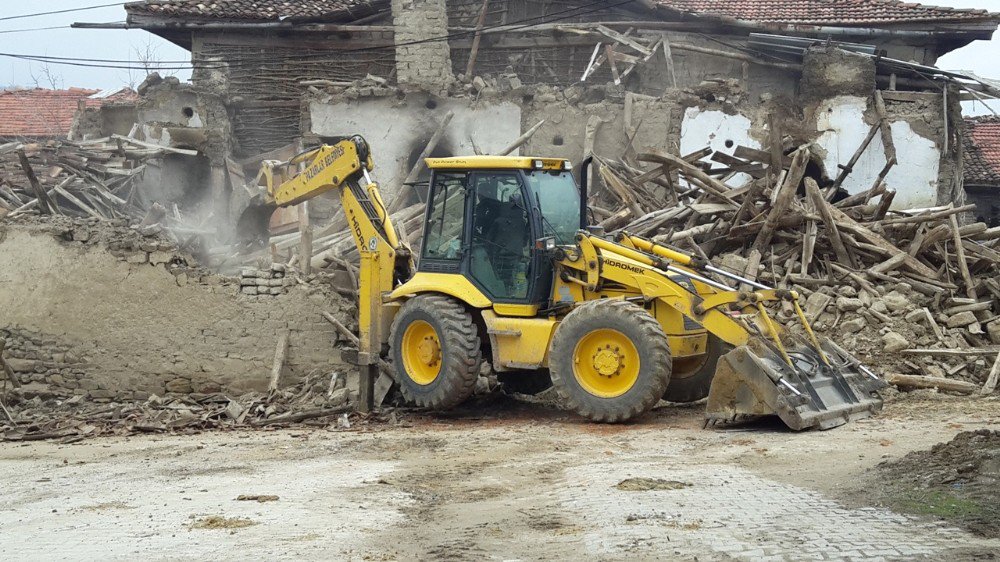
982,151
46,113
837,13
259,10
796,12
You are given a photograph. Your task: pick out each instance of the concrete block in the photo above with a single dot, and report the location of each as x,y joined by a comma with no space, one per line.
993,330
894,342
180,386
847,304
158,257
897,302
962,319
853,325
816,304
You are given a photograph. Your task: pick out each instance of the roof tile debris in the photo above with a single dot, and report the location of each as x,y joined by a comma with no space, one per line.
982,151
846,13
34,113
791,12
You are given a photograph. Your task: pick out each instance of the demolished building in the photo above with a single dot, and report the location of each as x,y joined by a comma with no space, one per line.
661,96
595,77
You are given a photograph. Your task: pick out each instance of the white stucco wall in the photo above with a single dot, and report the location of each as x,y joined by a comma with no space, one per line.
915,175
395,131
718,130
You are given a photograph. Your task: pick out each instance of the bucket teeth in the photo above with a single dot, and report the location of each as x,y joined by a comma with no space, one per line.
753,380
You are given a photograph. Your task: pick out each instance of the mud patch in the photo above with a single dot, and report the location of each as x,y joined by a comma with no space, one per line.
958,481
220,522
257,498
650,485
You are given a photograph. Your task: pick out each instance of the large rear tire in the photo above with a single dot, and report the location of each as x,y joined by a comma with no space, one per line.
610,361
692,378
436,352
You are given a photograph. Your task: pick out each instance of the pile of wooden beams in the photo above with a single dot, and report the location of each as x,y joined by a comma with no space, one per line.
758,214
95,179
814,235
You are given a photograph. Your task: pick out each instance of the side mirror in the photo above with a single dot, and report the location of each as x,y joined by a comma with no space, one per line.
547,244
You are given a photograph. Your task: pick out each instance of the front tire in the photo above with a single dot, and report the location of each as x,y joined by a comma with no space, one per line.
610,361
436,352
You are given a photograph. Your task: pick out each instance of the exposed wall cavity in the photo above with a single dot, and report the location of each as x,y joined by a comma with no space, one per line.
843,127
720,131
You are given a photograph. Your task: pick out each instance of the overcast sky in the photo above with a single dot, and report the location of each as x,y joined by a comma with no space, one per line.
981,57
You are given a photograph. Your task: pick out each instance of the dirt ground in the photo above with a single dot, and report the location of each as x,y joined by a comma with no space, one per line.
958,480
503,480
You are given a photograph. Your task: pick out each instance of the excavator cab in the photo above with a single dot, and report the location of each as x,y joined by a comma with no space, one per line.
485,217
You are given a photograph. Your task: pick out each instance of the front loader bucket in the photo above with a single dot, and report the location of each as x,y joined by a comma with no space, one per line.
755,380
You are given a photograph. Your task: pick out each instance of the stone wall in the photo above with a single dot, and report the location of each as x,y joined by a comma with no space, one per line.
108,312
424,65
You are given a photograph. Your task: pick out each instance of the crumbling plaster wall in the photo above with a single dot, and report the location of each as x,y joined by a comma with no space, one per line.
843,126
87,310
573,126
398,130
838,99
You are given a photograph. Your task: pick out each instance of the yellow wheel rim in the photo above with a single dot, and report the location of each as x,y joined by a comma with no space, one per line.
421,353
606,363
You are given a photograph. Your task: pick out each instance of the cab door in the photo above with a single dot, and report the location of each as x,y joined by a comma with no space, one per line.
500,251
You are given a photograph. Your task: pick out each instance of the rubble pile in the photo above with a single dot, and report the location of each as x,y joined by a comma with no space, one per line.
914,291
321,398
94,179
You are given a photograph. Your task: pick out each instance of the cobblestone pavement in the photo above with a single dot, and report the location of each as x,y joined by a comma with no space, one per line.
727,512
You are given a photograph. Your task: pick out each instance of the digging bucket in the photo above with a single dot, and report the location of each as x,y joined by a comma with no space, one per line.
755,380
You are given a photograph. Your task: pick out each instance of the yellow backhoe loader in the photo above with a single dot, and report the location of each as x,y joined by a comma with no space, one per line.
511,273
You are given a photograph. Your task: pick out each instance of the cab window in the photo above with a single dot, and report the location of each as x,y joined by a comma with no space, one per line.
446,220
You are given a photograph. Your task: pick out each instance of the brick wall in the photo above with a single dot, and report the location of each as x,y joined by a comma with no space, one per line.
425,65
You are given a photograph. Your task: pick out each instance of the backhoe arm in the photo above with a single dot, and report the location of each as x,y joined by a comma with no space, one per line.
385,260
